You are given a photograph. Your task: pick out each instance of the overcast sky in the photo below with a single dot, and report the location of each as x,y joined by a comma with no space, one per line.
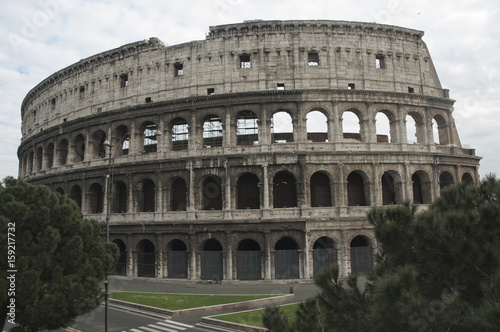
42,37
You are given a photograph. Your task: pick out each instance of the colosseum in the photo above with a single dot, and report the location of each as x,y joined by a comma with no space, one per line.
254,154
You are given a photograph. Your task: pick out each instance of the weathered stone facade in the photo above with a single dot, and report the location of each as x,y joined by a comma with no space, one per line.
206,181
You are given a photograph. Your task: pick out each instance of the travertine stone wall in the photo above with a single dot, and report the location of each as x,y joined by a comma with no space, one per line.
179,148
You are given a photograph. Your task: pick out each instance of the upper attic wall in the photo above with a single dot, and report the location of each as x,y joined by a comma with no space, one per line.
279,51
310,27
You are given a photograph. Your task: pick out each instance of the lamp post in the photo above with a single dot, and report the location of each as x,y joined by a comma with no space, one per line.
109,186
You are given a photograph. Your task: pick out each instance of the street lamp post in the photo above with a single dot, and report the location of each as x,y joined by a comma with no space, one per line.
109,186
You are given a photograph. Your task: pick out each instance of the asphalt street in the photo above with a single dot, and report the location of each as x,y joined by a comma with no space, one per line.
123,320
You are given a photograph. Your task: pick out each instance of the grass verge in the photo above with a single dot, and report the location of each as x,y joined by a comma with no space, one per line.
254,317
182,301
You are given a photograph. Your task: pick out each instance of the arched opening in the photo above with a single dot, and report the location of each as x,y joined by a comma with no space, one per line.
388,189
178,195
317,127
148,196
440,130
50,155
281,128
284,190
419,128
212,261
120,198
212,193
421,186
248,192
286,259
76,195
445,180
95,198
361,255
383,128
417,189
177,258
351,127
63,152
180,134
98,149
356,195
39,158
60,190
324,253
247,129
248,260
411,130
146,259
468,179
212,132
150,142
121,264
31,161
121,141
79,148
320,190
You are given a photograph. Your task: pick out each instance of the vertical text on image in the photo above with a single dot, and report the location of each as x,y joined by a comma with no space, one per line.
11,271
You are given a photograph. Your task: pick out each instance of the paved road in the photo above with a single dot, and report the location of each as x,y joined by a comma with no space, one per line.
123,320
120,319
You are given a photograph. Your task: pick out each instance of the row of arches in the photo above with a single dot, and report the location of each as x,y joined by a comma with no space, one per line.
247,129
210,193
249,260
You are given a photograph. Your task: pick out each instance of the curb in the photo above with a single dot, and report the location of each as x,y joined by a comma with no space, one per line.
208,309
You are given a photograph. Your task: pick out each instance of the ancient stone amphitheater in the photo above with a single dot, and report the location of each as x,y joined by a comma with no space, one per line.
253,154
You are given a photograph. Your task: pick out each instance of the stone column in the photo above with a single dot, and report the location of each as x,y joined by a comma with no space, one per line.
266,186
267,258
193,271
228,129
191,204
229,257
158,194
338,134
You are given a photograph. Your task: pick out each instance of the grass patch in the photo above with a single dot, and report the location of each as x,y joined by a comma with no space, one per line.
182,301
254,317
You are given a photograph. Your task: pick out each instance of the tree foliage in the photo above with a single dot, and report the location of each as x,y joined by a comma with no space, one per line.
59,257
437,270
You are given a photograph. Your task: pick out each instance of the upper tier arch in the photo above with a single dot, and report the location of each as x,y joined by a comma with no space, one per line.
279,58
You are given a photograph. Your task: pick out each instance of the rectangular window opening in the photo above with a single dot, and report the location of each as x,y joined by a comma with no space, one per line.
179,69
280,86
313,59
245,61
148,100
411,90
351,86
210,91
123,80
379,62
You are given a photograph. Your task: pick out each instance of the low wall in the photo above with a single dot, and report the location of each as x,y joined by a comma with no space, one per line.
208,309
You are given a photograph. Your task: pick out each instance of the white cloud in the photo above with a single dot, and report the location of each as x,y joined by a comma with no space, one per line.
43,36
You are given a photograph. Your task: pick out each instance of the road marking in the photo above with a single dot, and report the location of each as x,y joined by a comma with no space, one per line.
69,329
165,326
157,327
148,329
184,326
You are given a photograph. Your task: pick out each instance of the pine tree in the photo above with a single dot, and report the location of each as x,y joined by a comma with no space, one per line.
437,270
59,257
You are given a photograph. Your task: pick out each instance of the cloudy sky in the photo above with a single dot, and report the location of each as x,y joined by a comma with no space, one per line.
40,37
